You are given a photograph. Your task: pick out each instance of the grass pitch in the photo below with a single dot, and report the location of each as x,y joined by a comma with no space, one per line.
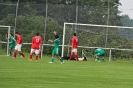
21,73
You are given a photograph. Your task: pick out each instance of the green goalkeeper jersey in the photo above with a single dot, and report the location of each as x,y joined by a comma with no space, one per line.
13,42
56,43
99,52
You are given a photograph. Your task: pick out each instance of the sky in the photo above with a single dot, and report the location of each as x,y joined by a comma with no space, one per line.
126,8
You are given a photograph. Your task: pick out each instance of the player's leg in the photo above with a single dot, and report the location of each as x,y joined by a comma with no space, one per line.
31,54
15,51
60,58
19,50
37,54
10,52
52,59
71,55
40,52
97,57
102,56
58,55
76,54
11,49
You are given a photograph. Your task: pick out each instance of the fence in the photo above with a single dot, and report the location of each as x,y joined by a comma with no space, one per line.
46,18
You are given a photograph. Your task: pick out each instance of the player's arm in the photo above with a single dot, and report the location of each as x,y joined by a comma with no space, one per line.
55,32
7,36
94,56
51,40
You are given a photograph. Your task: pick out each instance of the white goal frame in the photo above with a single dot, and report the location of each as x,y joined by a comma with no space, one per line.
8,31
94,25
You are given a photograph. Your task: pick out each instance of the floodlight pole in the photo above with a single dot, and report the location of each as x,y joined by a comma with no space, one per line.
45,26
107,25
16,17
107,31
76,14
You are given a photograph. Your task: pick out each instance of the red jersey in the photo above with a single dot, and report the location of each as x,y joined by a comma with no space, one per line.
74,42
40,39
36,41
19,39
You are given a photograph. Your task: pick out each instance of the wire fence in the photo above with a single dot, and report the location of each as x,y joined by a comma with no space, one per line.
46,18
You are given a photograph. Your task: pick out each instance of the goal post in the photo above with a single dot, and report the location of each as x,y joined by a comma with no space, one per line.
3,31
91,36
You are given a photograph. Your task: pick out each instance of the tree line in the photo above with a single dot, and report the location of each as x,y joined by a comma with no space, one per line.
32,15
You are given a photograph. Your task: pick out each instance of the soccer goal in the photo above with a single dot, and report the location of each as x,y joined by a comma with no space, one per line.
4,43
117,41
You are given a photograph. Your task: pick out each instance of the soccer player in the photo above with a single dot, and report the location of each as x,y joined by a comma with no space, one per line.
74,47
36,41
99,53
18,46
56,50
12,44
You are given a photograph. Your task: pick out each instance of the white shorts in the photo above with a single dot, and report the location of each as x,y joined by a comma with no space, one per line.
35,50
18,47
74,50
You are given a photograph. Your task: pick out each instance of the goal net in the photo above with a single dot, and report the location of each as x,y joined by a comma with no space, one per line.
117,41
4,43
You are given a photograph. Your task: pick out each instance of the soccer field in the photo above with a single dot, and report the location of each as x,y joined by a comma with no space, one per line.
21,73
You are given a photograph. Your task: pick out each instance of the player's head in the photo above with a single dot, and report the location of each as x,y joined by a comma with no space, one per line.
16,33
96,48
11,35
74,34
37,34
56,36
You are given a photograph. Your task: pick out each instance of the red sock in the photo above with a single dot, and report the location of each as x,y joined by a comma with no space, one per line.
76,57
15,53
30,56
36,57
22,54
70,57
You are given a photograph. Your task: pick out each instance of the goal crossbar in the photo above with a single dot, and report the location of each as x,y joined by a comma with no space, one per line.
109,26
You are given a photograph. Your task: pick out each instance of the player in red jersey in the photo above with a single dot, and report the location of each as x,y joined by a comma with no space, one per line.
36,42
74,47
18,46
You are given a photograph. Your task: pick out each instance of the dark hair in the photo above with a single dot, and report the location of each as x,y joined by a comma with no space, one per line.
74,34
37,34
56,36
16,33
11,34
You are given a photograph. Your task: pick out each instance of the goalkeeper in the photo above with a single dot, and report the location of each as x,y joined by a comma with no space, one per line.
56,50
99,53
12,44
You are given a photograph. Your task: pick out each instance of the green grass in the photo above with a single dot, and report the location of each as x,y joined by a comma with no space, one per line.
21,73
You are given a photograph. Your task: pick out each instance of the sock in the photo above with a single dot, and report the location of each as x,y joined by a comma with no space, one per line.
103,59
22,54
36,57
70,57
30,56
61,60
98,59
15,53
52,59
11,52
76,57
